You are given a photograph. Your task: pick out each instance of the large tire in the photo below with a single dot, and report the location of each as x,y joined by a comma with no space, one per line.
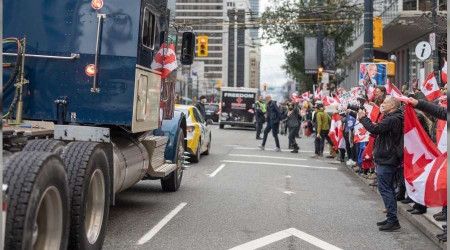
38,207
221,126
42,145
209,147
196,158
173,181
88,172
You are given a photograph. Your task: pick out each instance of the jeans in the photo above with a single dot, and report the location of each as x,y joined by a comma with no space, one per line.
274,126
386,176
401,183
323,136
259,126
293,131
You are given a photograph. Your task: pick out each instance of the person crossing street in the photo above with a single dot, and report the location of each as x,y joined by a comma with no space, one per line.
273,116
293,123
259,116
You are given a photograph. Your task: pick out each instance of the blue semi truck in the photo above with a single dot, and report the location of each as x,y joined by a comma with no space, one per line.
85,114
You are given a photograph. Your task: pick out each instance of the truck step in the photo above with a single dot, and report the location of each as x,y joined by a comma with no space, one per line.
165,169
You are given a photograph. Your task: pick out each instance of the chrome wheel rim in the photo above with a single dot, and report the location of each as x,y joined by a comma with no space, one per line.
95,206
48,224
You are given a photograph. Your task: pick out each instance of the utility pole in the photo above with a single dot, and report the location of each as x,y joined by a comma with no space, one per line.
434,9
320,38
368,31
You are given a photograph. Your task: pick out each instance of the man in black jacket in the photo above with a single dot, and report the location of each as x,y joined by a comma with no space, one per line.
387,155
273,117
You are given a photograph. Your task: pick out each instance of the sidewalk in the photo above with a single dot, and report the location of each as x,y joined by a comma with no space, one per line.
424,222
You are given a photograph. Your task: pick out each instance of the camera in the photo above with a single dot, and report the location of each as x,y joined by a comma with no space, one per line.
354,108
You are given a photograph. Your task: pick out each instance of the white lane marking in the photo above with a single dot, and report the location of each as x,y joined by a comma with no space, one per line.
289,192
278,164
265,156
288,176
217,170
148,236
283,150
269,239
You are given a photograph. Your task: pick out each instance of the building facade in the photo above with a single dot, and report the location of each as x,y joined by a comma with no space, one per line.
405,24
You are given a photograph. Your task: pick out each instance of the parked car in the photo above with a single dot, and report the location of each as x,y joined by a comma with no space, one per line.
212,112
198,132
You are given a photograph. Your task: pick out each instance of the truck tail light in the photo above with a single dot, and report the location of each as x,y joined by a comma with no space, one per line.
190,129
90,70
97,4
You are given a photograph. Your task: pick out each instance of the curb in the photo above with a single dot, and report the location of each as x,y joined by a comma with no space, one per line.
419,221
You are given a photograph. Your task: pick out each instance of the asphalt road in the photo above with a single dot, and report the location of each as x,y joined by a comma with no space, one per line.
241,196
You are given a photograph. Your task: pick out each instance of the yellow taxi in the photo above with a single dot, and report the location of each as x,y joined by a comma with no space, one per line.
198,132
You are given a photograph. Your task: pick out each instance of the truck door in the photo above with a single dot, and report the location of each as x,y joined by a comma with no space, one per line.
149,34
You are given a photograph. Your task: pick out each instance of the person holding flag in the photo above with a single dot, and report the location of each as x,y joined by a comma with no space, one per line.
387,155
259,116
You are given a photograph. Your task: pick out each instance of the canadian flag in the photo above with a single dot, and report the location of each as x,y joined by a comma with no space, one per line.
165,61
369,92
395,92
430,88
367,155
373,112
305,95
355,91
424,165
329,101
441,132
444,73
317,94
334,134
295,97
361,134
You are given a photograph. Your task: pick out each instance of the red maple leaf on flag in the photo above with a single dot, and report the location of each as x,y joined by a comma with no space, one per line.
429,86
362,131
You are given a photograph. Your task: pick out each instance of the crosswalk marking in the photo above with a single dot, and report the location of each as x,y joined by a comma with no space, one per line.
279,164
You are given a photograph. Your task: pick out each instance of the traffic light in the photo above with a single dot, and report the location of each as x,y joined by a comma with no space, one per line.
219,84
377,32
319,74
202,49
265,87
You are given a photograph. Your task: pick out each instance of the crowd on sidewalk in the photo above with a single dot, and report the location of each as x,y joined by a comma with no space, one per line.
371,136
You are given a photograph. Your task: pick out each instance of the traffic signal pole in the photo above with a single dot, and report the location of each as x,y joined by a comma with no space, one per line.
368,31
434,10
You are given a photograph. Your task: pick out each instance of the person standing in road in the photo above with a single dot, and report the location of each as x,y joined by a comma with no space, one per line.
388,155
293,123
260,119
323,127
273,116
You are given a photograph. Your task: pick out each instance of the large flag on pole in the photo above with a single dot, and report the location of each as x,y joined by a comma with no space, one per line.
334,130
165,60
424,165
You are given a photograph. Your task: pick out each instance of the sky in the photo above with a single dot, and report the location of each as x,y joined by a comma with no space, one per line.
272,57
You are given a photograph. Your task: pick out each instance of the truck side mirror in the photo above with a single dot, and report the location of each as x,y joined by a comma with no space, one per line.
187,48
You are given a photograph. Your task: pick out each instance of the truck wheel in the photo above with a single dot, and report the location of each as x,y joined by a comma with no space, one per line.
173,181
221,126
42,145
38,207
196,158
209,147
88,172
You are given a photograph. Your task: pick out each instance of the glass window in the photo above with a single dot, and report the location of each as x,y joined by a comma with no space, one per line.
198,116
148,29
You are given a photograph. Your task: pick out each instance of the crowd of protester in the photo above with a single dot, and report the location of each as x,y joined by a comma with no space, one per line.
385,166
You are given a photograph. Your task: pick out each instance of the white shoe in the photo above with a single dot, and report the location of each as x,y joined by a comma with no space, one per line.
277,150
261,147
348,163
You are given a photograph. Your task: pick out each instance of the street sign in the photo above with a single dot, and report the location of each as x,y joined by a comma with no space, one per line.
433,41
423,50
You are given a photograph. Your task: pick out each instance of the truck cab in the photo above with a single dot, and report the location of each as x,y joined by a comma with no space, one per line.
87,87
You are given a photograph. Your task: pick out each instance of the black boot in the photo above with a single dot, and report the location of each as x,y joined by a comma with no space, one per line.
390,226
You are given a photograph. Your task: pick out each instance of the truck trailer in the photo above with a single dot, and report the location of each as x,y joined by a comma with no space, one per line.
237,107
86,114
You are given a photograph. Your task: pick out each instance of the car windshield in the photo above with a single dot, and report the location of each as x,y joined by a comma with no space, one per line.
212,107
184,110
